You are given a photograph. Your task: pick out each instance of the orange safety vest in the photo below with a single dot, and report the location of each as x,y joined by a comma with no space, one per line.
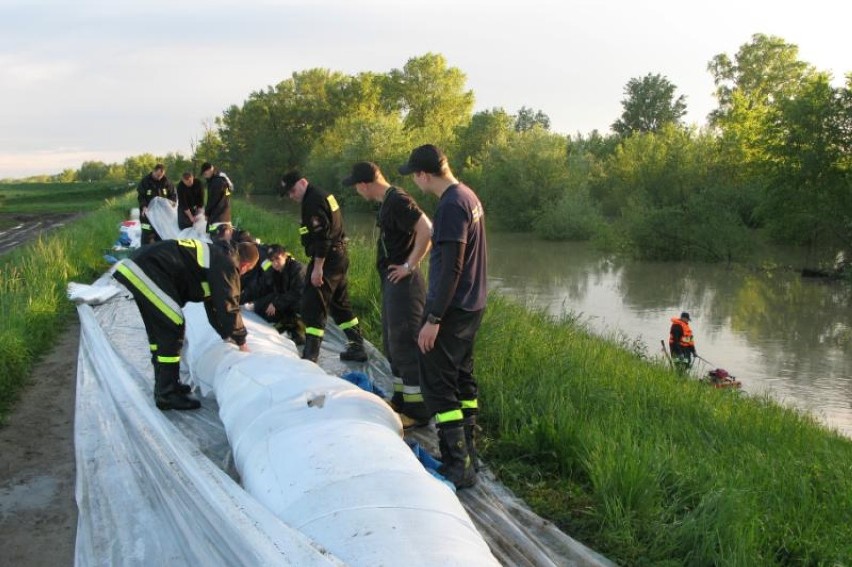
686,339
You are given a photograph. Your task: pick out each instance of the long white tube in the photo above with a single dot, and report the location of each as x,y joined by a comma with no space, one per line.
327,457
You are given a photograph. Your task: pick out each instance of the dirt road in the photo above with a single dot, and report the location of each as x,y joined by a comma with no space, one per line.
38,515
16,229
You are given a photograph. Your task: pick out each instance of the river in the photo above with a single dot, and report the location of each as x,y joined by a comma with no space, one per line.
777,332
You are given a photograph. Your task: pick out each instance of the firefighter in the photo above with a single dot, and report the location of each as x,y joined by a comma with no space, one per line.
163,277
277,293
155,184
404,233
326,286
455,304
190,196
218,207
681,342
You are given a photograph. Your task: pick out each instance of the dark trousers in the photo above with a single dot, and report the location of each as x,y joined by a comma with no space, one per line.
165,337
331,298
446,371
402,317
149,235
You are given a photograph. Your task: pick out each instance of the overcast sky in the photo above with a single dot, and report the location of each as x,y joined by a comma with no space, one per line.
104,80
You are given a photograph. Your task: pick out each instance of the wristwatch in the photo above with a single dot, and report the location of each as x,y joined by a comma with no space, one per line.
431,319
407,267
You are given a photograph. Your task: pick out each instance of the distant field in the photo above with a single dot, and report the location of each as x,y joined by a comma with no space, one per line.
57,197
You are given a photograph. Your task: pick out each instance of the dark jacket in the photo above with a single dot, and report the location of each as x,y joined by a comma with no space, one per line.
218,208
149,188
191,270
322,223
282,289
190,198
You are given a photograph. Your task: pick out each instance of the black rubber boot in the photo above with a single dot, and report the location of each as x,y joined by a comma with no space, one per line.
471,432
457,466
298,333
166,393
355,349
312,348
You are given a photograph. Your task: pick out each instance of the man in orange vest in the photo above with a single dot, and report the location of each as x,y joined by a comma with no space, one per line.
681,342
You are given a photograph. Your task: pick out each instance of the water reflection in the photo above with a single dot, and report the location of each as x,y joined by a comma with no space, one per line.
773,330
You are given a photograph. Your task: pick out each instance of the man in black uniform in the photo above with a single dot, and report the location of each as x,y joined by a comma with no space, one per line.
218,208
163,277
155,184
404,233
277,293
326,286
455,303
190,198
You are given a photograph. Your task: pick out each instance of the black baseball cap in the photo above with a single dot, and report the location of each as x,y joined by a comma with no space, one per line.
426,158
289,179
685,316
362,172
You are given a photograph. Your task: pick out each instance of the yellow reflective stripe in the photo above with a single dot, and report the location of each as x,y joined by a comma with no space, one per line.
332,202
168,359
452,415
303,229
205,287
202,250
153,348
266,265
349,324
412,398
315,331
469,404
146,226
397,386
151,291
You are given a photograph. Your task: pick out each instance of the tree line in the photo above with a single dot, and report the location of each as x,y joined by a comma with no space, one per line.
773,159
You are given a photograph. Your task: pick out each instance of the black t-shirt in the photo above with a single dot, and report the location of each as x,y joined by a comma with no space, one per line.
460,218
396,220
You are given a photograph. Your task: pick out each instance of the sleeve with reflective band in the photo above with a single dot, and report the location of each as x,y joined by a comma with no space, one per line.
223,304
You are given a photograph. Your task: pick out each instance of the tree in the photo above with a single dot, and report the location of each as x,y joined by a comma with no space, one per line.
650,104
92,171
474,138
431,97
527,119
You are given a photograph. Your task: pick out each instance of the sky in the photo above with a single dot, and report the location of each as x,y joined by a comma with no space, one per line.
104,80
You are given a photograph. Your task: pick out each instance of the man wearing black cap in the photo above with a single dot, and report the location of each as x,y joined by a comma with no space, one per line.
455,303
681,342
327,285
404,233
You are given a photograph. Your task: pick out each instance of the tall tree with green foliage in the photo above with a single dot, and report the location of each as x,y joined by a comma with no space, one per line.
527,119
431,97
649,104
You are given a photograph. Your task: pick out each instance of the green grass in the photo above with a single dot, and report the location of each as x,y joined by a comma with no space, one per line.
33,281
651,469
57,197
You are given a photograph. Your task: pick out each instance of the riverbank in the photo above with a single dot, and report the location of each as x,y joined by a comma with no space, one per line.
619,452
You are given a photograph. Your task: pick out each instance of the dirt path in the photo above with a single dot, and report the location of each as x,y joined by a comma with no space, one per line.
16,229
38,514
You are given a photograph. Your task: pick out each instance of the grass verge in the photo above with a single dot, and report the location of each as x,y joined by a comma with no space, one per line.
33,281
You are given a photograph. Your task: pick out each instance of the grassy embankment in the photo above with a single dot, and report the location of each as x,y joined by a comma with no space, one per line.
636,462
640,465
33,278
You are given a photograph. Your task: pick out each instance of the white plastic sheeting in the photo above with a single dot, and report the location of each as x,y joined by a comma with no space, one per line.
324,457
145,494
